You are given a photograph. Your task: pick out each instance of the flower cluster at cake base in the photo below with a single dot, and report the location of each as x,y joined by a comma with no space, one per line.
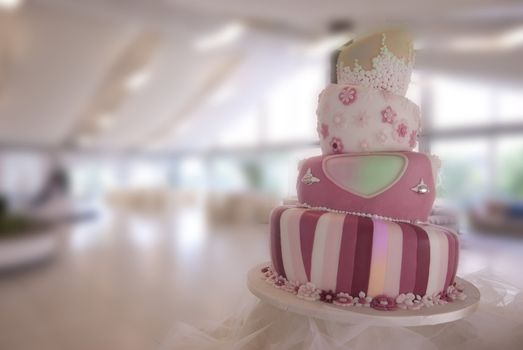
409,301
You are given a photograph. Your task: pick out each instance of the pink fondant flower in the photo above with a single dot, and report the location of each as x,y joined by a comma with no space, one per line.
409,301
308,291
327,296
338,119
382,137
364,145
324,130
413,138
336,145
347,95
362,300
455,292
361,119
383,303
291,287
402,129
388,115
343,299
279,282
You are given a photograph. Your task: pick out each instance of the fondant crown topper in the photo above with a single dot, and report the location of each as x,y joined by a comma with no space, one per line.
381,60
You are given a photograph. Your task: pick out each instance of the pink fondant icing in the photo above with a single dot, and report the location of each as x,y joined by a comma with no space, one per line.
333,193
352,254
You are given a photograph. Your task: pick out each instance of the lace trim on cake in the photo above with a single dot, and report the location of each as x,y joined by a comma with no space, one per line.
405,301
388,72
367,215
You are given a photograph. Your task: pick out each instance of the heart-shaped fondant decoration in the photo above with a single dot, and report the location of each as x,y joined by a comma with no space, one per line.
365,175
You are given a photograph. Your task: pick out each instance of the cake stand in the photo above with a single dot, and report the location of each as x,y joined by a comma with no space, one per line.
362,315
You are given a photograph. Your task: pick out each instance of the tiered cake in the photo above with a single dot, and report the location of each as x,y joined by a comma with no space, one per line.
358,236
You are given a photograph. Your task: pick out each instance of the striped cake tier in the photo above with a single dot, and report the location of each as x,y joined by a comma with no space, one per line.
353,254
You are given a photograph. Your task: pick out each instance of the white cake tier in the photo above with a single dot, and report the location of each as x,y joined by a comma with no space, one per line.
354,118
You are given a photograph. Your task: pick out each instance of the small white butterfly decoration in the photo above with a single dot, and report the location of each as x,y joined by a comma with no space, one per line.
421,187
308,178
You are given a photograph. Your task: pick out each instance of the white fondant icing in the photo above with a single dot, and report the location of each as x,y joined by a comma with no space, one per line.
365,120
318,250
435,262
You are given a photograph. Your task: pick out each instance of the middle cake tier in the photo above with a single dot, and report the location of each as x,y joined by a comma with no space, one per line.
393,185
354,118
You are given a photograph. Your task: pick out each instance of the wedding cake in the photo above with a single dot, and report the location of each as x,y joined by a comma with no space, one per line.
359,235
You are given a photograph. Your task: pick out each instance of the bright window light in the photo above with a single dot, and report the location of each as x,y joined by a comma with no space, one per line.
225,36
10,4
507,40
138,80
512,38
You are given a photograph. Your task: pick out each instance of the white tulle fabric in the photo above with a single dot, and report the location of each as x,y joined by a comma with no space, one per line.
388,72
497,324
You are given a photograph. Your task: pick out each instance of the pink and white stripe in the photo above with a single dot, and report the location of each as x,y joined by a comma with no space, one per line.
326,250
394,257
291,246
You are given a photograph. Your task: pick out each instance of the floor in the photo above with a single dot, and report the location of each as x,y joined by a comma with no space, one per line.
122,281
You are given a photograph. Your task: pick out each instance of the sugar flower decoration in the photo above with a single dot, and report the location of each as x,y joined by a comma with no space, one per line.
336,145
308,291
338,119
347,95
343,299
327,296
383,303
361,119
323,130
388,115
362,300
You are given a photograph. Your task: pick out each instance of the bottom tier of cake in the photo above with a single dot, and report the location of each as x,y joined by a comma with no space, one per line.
356,256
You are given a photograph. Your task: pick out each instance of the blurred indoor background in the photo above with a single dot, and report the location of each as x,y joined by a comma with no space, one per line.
144,143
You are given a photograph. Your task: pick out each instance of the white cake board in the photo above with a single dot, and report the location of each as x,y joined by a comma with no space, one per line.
357,315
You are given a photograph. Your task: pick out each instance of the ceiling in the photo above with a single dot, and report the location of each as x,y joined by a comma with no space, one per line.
66,65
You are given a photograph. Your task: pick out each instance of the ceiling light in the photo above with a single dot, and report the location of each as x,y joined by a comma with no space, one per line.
507,40
512,38
10,4
138,80
225,36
